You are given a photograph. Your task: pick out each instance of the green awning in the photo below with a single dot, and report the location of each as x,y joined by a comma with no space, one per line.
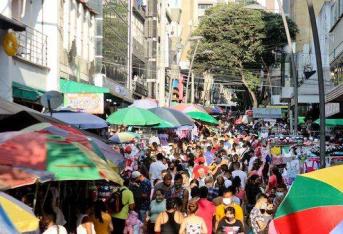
331,122
69,86
25,92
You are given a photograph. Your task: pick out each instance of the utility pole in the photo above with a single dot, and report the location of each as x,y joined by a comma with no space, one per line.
129,47
320,81
294,68
197,39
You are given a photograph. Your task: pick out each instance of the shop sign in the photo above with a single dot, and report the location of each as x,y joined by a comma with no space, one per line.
267,113
92,103
332,109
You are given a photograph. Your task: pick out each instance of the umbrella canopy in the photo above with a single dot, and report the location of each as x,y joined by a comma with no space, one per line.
203,117
189,108
14,177
101,148
174,117
338,229
331,122
214,110
124,137
80,119
7,227
133,116
315,196
66,160
18,213
146,103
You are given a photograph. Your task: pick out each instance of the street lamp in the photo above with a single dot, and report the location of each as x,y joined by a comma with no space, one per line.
197,39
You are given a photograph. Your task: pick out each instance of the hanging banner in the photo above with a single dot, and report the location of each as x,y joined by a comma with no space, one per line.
92,103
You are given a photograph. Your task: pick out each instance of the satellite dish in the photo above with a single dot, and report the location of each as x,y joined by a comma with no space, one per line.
51,100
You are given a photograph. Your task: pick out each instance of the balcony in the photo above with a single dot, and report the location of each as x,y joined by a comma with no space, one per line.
32,47
139,9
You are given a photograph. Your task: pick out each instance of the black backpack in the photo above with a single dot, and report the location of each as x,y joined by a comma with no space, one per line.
116,201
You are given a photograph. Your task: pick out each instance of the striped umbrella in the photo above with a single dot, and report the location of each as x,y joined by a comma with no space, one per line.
313,205
19,214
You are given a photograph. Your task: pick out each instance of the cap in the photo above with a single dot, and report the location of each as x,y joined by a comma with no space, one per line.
135,174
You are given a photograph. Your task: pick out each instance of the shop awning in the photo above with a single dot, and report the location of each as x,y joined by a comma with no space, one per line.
331,122
8,23
25,92
69,86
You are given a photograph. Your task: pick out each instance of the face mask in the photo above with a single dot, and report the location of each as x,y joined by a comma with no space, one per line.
227,201
159,199
279,194
263,206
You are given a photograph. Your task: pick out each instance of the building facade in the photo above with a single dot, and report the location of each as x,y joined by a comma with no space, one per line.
334,97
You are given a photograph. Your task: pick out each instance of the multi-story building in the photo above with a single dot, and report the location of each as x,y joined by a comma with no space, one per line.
334,97
56,52
308,94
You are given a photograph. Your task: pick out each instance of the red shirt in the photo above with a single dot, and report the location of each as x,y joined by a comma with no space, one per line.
206,211
198,170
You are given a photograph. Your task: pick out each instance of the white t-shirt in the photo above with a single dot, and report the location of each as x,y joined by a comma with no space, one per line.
53,230
251,163
155,170
242,175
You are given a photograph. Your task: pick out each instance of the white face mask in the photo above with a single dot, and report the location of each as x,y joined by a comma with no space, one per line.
227,201
279,194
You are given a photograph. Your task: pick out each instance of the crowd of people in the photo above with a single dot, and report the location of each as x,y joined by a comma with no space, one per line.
221,182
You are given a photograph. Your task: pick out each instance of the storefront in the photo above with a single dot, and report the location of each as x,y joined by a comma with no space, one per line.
27,96
82,96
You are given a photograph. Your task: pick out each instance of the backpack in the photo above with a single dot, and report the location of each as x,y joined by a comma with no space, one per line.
116,201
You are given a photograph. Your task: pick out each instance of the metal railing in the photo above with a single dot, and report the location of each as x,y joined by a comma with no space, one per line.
32,46
336,52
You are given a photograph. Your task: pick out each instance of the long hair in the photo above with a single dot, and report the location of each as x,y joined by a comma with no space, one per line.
98,208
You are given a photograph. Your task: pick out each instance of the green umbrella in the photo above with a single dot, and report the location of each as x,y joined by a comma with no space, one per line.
133,116
301,119
203,117
331,122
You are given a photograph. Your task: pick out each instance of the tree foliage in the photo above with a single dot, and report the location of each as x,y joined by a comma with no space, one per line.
237,39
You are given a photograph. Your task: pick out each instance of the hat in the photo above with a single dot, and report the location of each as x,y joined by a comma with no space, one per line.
135,174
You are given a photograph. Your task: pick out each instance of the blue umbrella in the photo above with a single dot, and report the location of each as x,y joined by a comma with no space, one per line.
6,225
80,119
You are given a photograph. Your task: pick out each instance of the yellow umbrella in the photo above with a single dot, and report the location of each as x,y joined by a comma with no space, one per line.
19,214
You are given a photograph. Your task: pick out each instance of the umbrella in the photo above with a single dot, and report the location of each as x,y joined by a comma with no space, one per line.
124,137
189,108
301,119
146,103
338,229
165,124
14,177
214,110
18,213
104,150
331,122
7,227
66,160
133,116
175,117
203,117
80,119
315,196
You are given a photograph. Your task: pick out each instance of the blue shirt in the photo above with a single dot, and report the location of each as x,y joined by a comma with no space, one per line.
209,157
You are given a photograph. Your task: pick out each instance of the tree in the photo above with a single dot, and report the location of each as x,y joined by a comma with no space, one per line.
241,41
233,39
274,41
